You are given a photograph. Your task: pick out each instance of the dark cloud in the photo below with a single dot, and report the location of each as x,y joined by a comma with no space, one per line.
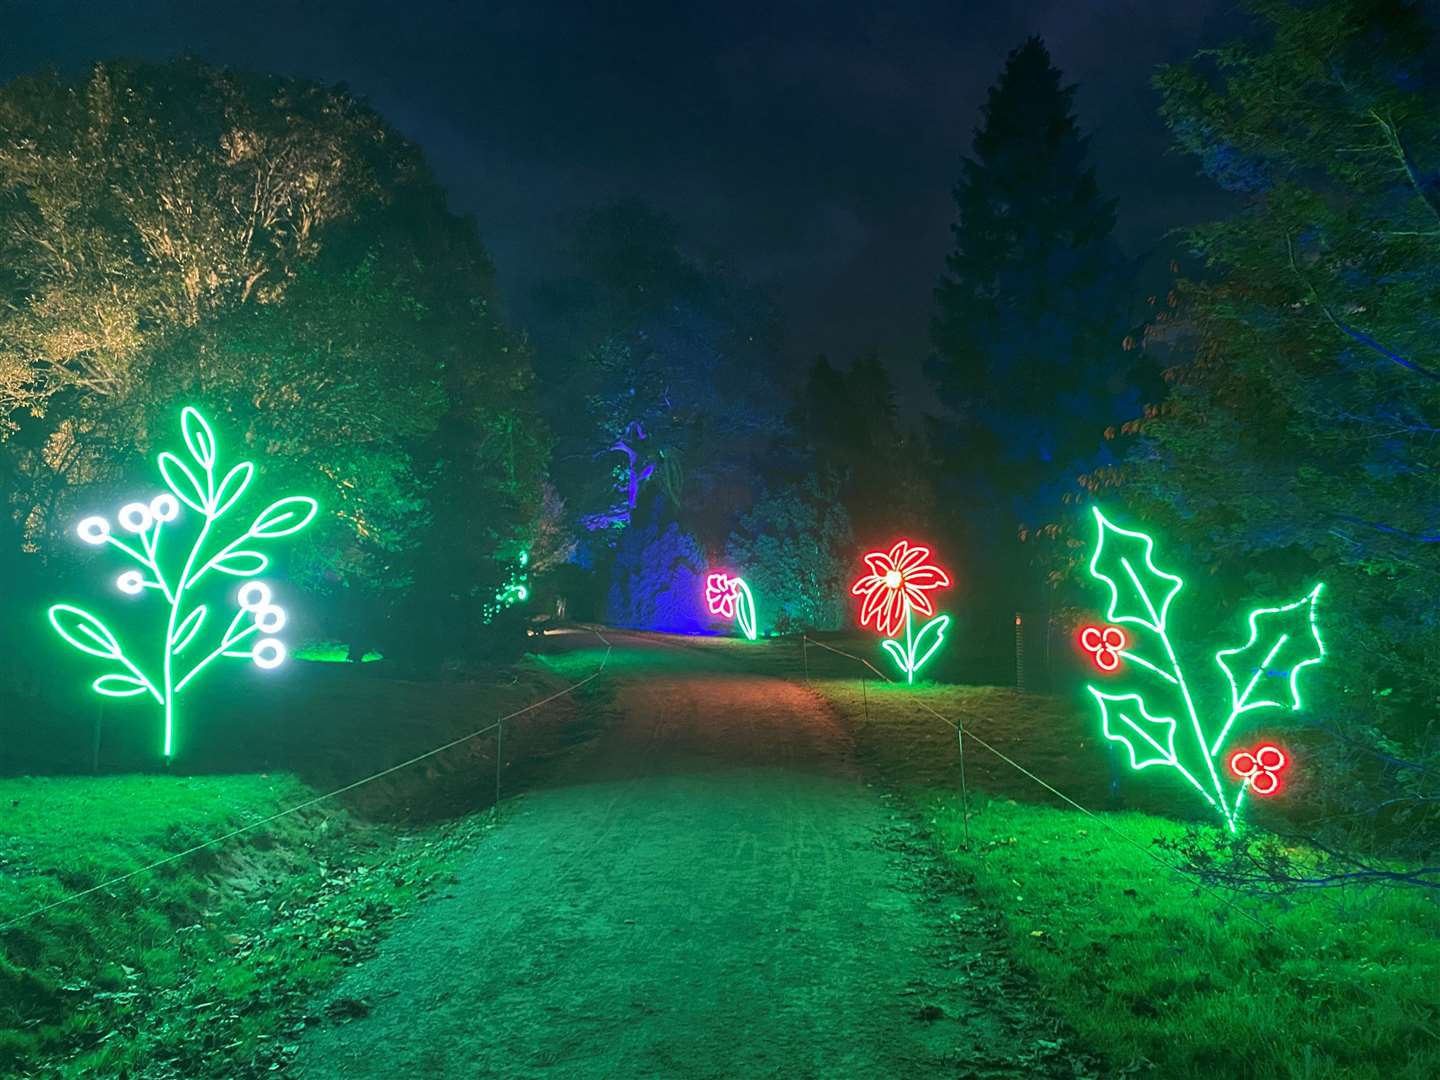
813,143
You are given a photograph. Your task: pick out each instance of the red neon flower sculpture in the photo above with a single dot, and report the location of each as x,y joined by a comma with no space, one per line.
1103,645
896,586
898,581
1261,767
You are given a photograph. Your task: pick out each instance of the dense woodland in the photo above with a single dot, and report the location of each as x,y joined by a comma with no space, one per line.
275,252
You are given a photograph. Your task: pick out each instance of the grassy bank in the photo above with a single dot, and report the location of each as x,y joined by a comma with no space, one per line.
205,966
1151,971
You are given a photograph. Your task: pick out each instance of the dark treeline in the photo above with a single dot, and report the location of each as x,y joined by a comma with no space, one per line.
274,251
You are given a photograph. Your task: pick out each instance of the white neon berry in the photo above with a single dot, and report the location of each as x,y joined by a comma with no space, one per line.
254,595
94,530
164,507
270,619
268,653
130,582
135,517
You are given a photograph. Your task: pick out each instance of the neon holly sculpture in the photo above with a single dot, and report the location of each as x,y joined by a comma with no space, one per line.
210,497
730,598
896,587
1159,722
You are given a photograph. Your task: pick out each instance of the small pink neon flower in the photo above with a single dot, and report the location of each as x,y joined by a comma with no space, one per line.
1260,768
1103,645
720,595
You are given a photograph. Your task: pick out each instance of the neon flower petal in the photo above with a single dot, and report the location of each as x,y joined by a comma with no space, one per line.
897,584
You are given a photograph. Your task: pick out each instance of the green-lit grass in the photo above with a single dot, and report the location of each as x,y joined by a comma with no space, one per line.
155,973
1150,970
202,967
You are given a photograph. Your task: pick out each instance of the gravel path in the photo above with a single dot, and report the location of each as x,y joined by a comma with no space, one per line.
707,890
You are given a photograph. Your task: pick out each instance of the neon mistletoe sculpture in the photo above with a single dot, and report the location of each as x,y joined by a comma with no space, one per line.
896,587
1159,724
730,598
256,614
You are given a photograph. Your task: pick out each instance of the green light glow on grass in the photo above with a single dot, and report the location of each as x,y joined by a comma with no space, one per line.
255,614
1140,597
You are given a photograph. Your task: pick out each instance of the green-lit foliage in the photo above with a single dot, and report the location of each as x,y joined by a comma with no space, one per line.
274,251
1299,437
796,550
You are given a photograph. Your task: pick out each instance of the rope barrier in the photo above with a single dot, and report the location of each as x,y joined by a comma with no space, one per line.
961,733
328,795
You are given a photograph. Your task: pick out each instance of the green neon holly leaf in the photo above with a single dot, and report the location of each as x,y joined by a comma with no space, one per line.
184,483
1265,671
241,563
199,439
186,631
119,685
1124,719
897,652
84,631
1140,592
284,517
233,486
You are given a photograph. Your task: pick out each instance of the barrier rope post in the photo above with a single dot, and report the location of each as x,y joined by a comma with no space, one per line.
499,746
805,653
865,697
964,791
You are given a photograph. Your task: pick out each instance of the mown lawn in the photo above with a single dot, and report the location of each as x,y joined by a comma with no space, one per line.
1150,970
1160,976
205,966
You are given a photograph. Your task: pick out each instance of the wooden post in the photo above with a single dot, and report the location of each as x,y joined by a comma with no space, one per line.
499,747
95,745
1019,653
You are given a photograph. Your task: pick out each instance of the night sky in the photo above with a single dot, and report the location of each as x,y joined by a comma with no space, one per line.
812,145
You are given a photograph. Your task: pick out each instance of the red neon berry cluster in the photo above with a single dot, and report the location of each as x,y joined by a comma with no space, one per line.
1260,767
1104,645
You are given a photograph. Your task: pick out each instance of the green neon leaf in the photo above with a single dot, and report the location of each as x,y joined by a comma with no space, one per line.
1140,592
241,563
186,631
199,439
934,628
119,686
744,609
1265,671
188,490
896,650
1150,739
284,517
84,631
233,486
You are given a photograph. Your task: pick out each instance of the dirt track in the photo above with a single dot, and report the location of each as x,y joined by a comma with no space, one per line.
709,890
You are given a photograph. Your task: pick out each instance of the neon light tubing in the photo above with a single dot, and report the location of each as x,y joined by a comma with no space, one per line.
730,598
898,585
1158,720
196,485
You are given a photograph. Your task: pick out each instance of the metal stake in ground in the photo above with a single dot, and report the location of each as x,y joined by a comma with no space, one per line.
499,733
805,653
964,792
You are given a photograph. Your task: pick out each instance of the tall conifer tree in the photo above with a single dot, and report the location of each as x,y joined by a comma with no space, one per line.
1032,305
